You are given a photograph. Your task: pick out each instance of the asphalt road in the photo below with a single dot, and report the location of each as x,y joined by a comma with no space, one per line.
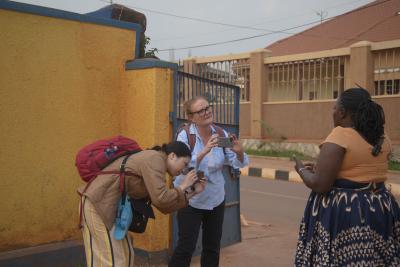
279,203
273,210
273,202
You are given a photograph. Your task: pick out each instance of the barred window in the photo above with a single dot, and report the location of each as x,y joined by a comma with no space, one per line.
387,71
313,79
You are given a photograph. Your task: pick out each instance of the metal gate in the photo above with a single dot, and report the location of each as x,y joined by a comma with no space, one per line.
224,98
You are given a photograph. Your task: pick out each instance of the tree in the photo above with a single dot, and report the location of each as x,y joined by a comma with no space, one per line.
150,52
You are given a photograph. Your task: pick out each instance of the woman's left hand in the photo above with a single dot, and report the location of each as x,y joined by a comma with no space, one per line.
201,185
237,146
299,165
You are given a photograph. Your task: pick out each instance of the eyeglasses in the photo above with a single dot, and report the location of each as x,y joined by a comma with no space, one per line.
203,111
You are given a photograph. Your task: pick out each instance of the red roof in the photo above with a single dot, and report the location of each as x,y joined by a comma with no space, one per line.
375,22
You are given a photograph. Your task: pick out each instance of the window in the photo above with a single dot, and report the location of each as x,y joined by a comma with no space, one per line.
387,87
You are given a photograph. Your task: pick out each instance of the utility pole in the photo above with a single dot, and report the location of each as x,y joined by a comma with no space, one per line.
172,55
321,14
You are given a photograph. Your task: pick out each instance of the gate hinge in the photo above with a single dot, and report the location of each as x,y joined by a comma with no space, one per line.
171,116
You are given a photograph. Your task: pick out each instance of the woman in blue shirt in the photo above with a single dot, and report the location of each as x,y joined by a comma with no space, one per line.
206,208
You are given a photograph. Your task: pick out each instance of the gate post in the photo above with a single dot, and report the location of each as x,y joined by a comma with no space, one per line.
258,90
362,66
146,106
189,66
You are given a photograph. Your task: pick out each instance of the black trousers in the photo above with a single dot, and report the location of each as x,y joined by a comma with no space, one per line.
189,221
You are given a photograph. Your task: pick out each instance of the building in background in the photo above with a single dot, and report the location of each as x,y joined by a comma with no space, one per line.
288,88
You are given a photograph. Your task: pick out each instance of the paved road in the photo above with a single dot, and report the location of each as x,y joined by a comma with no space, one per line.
273,210
273,202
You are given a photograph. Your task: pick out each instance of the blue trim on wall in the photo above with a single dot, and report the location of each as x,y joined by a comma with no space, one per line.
146,63
56,13
137,49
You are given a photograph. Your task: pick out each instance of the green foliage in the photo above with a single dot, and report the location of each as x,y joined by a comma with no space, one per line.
150,52
271,133
394,166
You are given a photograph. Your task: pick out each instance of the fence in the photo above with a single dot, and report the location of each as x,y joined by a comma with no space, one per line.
311,79
234,70
307,78
221,96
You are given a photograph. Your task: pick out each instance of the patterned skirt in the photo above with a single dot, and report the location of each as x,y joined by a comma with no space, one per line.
354,224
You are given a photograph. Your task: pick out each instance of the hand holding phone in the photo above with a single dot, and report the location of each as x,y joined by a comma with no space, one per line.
200,178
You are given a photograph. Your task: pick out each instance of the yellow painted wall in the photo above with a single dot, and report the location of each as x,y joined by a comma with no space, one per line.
148,121
61,86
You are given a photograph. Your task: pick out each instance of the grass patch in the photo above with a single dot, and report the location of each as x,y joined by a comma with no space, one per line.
278,154
394,166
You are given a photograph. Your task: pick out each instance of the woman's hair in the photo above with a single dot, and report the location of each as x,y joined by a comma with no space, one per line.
367,116
179,148
188,104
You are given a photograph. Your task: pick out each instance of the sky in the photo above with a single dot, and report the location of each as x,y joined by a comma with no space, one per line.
217,21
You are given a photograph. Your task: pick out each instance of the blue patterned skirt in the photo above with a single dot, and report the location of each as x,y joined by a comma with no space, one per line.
354,224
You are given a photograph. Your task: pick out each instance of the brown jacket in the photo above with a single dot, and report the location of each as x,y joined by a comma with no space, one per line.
149,167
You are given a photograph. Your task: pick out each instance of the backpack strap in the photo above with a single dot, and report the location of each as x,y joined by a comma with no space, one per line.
191,137
122,175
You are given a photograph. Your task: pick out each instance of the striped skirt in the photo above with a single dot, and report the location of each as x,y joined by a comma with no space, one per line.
354,224
101,248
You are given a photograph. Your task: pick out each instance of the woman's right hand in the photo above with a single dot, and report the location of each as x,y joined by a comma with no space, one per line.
212,142
188,181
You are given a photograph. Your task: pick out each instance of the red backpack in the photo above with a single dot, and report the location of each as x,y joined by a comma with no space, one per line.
94,157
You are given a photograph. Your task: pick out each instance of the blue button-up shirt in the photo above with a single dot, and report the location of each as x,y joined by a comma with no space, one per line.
212,165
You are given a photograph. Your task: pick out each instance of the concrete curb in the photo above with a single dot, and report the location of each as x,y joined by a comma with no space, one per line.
293,176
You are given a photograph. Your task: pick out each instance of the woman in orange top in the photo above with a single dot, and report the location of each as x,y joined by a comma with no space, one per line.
351,219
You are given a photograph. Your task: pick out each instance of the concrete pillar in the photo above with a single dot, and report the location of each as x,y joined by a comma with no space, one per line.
362,66
149,85
189,66
258,90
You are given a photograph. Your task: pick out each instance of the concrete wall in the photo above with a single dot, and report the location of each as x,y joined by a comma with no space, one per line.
391,106
62,86
297,121
244,119
148,121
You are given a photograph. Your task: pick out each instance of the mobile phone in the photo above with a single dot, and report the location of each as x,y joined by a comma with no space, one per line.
200,175
225,142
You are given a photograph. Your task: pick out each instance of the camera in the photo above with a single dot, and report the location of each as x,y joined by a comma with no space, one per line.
200,176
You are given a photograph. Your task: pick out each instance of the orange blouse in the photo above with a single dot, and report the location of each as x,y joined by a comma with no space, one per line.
359,165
